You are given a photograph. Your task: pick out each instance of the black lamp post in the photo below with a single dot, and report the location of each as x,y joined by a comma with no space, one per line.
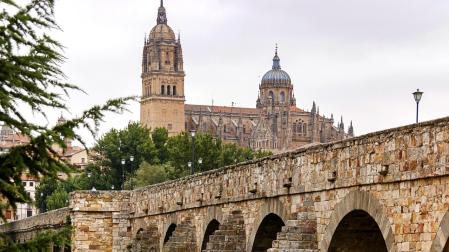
131,159
192,133
417,95
123,173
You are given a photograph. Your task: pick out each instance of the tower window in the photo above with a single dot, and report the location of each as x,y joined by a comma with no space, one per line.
162,90
168,90
167,58
282,97
174,90
271,95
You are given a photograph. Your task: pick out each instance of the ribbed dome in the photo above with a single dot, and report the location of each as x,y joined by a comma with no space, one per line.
162,32
276,76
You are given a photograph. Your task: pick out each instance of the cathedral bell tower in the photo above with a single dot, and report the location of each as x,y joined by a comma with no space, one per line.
162,101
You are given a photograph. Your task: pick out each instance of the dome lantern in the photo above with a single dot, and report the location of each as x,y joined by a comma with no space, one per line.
276,76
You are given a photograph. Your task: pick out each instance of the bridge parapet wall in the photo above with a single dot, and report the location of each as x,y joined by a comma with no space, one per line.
401,154
27,229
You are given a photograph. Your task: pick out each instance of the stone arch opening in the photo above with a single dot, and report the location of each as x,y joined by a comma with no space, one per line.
169,233
358,232
364,201
441,241
213,226
267,232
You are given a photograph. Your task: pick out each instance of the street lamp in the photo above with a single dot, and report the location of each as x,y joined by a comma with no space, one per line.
131,158
417,95
200,161
123,173
192,133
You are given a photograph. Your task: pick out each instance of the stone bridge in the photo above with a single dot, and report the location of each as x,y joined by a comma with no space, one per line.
385,191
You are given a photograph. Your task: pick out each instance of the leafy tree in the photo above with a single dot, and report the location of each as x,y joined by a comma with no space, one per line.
149,174
43,242
117,145
179,149
232,154
31,77
160,138
58,199
46,187
262,153
93,176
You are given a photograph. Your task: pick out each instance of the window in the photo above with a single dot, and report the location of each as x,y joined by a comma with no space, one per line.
168,90
282,97
174,90
169,126
83,160
167,58
271,96
24,183
29,212
162,90
31,184
8,214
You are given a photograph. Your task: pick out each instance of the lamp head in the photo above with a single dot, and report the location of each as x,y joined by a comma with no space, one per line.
200,161
123,161
189,164
418,95
192,133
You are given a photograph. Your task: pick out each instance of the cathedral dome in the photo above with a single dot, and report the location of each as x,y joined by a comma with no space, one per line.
162,32
276,76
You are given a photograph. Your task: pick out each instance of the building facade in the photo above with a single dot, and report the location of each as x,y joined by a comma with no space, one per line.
74,155
276,123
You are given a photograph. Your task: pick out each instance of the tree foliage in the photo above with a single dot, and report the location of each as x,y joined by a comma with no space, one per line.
149,174
120,145
44,242
31,80
58,199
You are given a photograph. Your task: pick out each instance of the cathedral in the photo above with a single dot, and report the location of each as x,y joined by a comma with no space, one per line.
275,123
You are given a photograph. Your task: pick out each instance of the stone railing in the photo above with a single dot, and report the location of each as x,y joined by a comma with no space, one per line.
26,229
400,154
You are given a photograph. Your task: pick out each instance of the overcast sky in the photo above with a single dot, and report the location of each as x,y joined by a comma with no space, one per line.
358,58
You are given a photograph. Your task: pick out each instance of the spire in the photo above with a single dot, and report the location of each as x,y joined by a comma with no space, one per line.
332,118
342,125
314,108
351,130
276,60
179,37
161,14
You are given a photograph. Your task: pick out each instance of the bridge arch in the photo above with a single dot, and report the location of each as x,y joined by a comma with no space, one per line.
357,202
269,206
213,226
441,241
169,232
212,213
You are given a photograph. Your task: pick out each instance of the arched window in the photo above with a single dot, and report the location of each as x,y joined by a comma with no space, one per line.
294,127
162,90
168,90
271,95
282,97
304,126
174,90
167,58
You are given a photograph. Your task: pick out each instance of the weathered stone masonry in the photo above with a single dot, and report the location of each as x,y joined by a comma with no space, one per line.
385,191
